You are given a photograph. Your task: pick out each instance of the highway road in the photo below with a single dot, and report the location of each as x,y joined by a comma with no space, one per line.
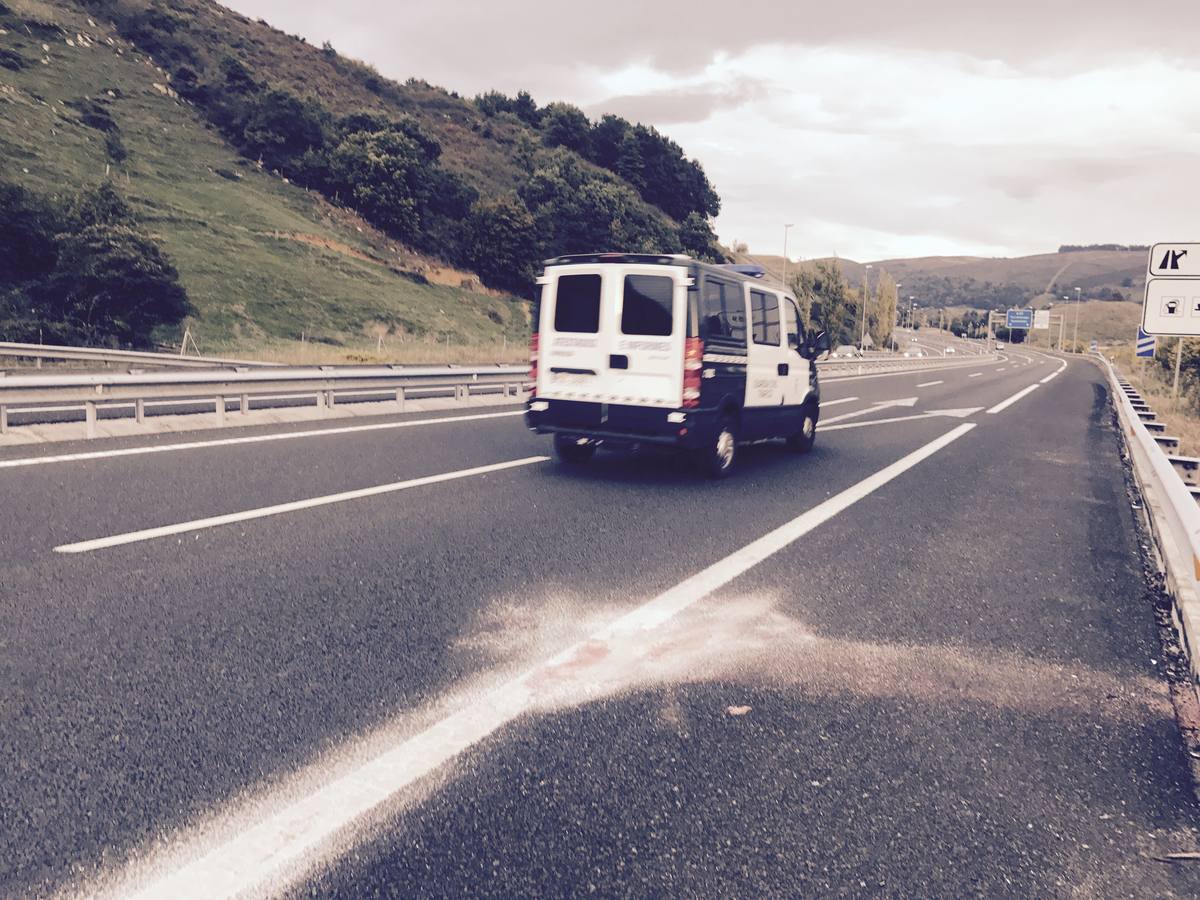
414,656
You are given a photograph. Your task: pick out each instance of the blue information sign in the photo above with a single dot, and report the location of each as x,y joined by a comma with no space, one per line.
1019,318
1145,344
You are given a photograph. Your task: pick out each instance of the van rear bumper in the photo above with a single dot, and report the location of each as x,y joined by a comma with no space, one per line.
621,424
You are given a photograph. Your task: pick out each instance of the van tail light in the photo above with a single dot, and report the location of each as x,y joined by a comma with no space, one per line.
693,361
533,364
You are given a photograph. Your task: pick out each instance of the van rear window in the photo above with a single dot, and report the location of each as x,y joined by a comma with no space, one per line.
577,304
648,307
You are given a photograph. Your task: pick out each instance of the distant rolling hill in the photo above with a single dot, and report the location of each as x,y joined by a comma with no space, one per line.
989,283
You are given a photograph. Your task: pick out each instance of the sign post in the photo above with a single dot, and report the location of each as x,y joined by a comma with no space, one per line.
1019,318
1172,304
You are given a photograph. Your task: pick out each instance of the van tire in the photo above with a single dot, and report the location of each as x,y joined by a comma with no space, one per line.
571,452
802,441
719,458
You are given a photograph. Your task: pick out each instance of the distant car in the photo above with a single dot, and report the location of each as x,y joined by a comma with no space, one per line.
845,351
949,349
999,346
914,352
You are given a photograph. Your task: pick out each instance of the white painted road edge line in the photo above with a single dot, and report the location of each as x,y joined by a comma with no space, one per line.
974,374
1005,404
131,537
930,383
251,439
1062,365
282,842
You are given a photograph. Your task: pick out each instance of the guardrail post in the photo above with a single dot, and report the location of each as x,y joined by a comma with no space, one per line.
330,399
400,397
320,399
89,418
220,410
139,410
37,362
3,419
244,406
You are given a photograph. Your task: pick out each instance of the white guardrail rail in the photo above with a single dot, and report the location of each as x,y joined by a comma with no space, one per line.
29,393
214,387
1168,484
39,352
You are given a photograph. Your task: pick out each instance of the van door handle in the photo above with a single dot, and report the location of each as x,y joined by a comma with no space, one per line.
618,361
783,368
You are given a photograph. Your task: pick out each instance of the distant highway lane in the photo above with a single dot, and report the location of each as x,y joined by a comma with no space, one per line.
415,656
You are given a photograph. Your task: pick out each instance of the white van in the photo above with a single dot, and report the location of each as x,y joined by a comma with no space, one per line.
640,349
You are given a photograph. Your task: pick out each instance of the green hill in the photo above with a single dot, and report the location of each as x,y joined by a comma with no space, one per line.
189,109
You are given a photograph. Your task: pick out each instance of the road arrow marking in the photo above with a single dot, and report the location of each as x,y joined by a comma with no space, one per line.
876,407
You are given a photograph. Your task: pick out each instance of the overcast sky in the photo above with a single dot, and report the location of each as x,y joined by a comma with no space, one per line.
879,130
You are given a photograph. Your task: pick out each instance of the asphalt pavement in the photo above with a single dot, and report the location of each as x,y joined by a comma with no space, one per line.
921,660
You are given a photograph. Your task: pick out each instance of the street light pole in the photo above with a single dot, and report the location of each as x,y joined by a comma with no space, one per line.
1075,334
785,231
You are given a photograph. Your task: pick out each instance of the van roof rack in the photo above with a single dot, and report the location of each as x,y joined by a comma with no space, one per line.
661,259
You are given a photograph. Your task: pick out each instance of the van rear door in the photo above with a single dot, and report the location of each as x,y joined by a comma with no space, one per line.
613,334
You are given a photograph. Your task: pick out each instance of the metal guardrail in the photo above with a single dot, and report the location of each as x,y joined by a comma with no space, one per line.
1171,504
94,391
30,392
38,352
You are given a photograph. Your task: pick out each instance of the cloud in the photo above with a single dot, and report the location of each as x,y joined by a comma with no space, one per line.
676,105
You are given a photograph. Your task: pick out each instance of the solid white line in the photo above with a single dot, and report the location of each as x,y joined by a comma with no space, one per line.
825,403
1049,377
286,840
974,374
1002,368
252,439
838,379
147,534
1005,404
930,383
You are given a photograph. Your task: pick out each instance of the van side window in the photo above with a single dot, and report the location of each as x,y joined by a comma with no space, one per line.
792,326
723,311
648,307
764,318
577,304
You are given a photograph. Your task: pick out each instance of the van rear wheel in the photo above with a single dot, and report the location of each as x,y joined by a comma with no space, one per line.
720,456
572,450
802,441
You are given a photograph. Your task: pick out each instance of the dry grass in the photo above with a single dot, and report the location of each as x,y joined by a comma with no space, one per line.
393,351
1178,414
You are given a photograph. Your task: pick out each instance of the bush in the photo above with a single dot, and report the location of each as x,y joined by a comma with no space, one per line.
502,243
84,272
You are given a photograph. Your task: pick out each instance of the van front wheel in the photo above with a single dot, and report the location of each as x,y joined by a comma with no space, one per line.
720,456
802,441
572,450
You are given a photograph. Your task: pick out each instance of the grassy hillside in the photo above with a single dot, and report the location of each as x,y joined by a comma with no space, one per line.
262,260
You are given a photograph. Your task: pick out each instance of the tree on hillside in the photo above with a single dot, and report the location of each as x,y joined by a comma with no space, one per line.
607,137
698,240
502,243
564,125
378,172
83,272
630,164
280,128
